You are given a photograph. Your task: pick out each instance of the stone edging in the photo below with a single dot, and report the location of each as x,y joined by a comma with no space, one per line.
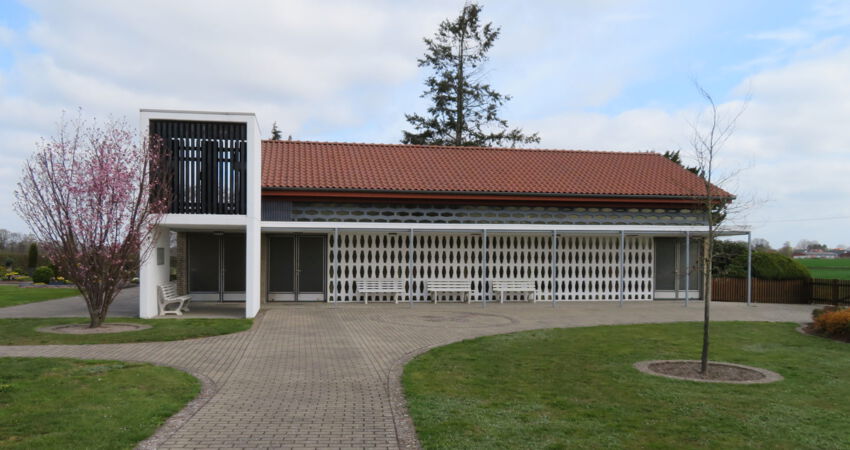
404,430
208,390
103,329
769,376
175,422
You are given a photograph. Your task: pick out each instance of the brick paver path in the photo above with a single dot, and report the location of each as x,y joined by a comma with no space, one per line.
316,376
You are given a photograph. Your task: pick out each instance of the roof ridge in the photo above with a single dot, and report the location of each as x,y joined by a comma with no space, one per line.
457,147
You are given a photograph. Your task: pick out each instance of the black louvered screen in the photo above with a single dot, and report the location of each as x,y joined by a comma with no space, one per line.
208,163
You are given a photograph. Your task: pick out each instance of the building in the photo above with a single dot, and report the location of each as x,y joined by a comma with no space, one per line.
277,221
814,254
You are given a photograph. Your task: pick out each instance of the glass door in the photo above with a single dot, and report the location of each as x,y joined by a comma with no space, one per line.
297,268
216,265
310,274
670,269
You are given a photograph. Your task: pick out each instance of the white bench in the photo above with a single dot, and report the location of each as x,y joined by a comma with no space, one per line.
444,286
380,286
167,294
520,286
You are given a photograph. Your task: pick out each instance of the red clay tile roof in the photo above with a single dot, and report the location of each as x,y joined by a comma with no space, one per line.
300,165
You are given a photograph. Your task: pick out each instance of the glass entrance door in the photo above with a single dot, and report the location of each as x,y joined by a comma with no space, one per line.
297,268
670,269
216,264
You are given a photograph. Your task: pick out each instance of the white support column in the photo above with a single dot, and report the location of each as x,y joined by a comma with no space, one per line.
152,272
253,232
749,269
554,266
687,267
253,255
336,252
410,269
622,266
483,268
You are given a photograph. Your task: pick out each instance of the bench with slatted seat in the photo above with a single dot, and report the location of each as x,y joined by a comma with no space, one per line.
436,287
168,296
518,286
380,286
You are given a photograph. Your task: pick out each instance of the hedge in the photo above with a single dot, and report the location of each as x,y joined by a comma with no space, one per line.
730,260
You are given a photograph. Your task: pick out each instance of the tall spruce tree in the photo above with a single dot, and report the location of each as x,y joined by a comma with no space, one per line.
32,257
276,135
464,110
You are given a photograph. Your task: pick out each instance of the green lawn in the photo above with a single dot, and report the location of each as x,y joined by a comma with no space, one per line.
828,268
23,331
48,403
576,388
13,295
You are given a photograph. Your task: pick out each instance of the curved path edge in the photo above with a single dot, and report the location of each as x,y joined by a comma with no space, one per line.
318,377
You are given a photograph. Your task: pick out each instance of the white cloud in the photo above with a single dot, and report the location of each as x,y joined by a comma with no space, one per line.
320,67
299,63
792,142
786,36
7,36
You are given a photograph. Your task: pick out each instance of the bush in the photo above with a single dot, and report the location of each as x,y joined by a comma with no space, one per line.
42,274
828,308
730,260
835,323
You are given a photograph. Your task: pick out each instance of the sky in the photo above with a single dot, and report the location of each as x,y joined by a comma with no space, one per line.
584,74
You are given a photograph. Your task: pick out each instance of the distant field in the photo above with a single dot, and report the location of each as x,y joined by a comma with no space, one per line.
828,268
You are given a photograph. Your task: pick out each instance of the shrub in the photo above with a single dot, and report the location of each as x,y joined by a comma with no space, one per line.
828,308
835,324
42,274
730,260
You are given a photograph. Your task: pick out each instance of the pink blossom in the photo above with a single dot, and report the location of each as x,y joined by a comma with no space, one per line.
87,196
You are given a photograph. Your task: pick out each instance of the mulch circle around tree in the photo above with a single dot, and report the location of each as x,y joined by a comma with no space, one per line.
718,372
83,328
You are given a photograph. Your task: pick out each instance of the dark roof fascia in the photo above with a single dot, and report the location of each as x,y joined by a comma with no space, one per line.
497,193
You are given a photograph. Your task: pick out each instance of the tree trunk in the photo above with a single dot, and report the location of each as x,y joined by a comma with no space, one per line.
95,320
707,254
459,91
97,302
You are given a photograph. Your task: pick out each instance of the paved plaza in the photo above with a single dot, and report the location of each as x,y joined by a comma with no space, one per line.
319,376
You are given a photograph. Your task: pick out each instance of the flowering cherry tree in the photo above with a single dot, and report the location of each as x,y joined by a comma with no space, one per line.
88,196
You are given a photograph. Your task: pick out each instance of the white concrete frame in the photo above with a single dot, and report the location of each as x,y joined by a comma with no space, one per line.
151,274
628,284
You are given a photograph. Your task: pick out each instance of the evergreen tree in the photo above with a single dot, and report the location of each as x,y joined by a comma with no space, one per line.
32,259
275,132
464,110
677,158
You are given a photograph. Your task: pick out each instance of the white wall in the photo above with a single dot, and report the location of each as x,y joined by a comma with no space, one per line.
153,274
252,227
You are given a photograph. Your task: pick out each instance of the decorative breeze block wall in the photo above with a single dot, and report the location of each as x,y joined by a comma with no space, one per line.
588,266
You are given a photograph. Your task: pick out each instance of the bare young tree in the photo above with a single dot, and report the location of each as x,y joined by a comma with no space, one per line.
710,132
90,197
